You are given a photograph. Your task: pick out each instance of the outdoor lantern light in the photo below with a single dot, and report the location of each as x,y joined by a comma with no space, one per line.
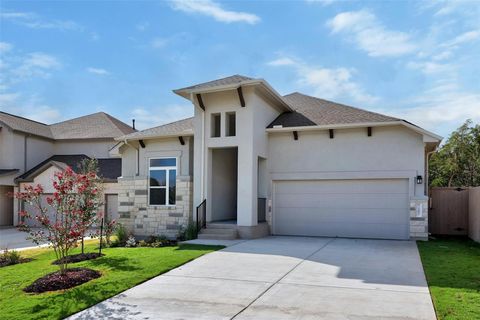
419,180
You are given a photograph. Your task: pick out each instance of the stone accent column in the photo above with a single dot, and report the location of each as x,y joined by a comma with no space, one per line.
419,218
145,220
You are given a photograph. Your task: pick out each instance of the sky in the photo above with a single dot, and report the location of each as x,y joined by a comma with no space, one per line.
416,60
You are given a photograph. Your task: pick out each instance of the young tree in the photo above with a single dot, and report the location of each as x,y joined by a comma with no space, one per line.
457,162
74,195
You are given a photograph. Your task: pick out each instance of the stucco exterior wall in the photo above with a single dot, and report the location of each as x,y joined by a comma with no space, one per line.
474,213
251,140
92,148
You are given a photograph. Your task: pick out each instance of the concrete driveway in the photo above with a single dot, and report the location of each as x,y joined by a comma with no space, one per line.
11,238
284,278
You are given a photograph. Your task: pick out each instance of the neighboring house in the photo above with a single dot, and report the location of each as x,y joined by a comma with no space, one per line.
272,164
30,152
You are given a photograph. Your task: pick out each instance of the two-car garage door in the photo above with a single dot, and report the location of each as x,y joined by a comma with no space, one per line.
366,208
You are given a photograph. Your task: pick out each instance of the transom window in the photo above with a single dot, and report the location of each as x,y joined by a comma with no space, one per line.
162,181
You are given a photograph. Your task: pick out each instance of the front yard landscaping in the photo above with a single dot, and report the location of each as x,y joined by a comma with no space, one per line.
452,268
120,268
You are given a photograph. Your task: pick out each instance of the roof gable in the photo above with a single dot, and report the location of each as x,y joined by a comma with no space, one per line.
25,125
182,127
218,82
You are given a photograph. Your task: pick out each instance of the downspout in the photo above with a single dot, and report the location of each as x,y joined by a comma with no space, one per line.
137,160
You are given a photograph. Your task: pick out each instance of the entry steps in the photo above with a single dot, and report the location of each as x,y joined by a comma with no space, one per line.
219,231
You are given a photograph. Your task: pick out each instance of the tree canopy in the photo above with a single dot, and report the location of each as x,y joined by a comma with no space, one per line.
457,162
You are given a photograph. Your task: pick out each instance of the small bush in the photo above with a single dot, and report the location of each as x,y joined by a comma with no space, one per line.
188,233
131,242
10,257
121,235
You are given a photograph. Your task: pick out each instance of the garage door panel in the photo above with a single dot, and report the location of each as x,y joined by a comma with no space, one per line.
336,200
357,215
342,186
342,208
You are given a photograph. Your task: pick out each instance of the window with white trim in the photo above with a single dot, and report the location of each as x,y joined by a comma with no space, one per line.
162,181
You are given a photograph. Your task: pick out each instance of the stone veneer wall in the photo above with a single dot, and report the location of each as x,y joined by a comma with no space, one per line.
419,219
144,220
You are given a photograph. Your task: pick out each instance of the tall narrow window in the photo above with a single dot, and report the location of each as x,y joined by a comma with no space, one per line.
230,124
215,125
162,181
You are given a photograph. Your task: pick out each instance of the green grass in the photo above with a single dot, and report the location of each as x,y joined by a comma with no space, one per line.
452,267
121,268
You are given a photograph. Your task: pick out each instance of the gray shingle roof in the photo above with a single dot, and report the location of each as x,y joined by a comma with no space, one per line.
219,82
93,126
181,128
311,111
26,125
97,125
108,169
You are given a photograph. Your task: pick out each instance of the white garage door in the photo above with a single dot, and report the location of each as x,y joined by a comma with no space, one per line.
342,208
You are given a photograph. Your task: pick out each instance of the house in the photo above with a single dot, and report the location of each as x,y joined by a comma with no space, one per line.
252,162
30,153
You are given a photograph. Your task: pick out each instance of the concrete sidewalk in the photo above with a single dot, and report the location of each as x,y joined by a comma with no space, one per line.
284,278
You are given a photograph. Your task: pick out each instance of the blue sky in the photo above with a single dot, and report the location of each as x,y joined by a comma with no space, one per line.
416,60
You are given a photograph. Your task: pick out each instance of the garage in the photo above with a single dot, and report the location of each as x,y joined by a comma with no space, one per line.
366,208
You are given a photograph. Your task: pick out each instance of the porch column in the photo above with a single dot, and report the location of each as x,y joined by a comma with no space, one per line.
247,187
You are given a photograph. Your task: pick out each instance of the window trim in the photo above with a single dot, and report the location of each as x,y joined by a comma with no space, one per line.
167,181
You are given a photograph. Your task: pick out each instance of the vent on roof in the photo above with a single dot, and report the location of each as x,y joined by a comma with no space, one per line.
278,126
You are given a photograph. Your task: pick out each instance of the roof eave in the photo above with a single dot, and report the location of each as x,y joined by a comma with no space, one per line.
159,136
186,93
428,136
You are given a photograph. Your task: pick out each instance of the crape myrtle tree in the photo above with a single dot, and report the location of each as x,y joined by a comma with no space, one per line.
457,162
62,217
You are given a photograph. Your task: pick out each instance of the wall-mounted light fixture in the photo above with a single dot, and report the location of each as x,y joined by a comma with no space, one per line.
419,180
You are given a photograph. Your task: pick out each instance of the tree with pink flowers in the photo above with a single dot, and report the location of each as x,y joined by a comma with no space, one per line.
76,196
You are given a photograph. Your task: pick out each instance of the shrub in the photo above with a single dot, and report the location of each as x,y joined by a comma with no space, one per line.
131,242
188,233
9,257
121,235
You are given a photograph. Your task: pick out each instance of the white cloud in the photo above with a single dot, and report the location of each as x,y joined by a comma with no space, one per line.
430,67
212,9
464,38
440,109
151,117
98,71
328,83
35,64
7,99
158,43
5,46
34,21
142,26
363,28
30,108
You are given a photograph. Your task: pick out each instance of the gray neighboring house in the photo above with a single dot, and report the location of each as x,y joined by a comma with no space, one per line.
30,153
257,163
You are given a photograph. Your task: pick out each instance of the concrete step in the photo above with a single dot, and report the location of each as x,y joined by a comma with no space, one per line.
218,231
221,225
214,236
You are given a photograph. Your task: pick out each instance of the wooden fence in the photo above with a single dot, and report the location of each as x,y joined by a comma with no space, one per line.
448,211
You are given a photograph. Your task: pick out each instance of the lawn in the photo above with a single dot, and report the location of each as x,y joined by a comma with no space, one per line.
121,269
452,267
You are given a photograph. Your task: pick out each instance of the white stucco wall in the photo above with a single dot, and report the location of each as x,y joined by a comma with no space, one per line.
92,148
251,140
390,151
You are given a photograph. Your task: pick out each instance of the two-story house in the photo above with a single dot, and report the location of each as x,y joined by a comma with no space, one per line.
252,162
30,153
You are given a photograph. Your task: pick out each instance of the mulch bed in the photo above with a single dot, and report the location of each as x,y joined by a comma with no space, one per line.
6,262
56,281
79,257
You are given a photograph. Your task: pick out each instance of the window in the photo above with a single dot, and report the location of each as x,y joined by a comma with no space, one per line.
163,181
230,124
215,125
